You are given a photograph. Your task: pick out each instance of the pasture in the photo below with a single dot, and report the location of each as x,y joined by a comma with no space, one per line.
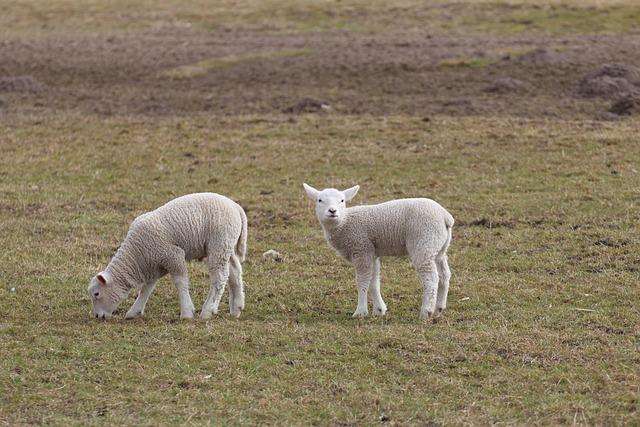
110,109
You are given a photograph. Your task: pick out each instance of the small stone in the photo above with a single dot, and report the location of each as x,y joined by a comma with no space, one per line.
273,255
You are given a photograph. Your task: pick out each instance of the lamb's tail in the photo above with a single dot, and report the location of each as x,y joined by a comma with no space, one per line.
448,223
241,246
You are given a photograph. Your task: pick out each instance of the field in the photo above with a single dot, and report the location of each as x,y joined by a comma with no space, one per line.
507,112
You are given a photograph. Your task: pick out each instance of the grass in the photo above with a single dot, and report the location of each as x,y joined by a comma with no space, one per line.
25,18
547,224
543,325
206,66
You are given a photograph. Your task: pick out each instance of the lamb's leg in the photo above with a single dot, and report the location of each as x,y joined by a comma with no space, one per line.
364,275
444,274
379,307
236,287
219,272
428,273
137,309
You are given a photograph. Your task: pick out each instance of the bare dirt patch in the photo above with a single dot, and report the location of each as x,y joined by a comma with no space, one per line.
308,105
611,81
356,73
505,85
20,84
625,106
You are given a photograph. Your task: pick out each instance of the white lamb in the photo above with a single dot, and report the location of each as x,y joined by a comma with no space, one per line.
194,226
419,228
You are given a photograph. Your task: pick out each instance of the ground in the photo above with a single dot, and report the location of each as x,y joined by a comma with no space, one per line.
520,117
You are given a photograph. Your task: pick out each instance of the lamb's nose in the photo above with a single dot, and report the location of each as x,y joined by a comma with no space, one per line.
332,210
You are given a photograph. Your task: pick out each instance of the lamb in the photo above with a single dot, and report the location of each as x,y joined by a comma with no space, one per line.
419,228
195,226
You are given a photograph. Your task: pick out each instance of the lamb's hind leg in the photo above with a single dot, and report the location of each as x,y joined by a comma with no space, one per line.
236,287
219,272
379,307
428,273
444,274
137,309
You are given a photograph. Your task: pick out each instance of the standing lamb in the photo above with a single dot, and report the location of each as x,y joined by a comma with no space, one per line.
194,226
419,228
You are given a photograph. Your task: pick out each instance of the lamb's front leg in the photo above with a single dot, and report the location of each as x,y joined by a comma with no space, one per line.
379,307
137,309
174,263
364,274
181,281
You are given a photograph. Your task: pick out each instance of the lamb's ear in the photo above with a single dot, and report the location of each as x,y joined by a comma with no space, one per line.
350,193
103,277
312,193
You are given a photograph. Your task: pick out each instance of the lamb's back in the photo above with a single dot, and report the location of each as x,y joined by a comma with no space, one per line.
390,225
191,222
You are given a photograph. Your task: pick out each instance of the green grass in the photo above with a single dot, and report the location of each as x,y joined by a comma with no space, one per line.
206,66
543,325
512,348
26,18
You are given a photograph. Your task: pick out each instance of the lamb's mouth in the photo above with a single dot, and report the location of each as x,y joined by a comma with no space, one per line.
332,216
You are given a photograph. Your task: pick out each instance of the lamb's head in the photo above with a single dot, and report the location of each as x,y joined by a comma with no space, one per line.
106,294
330,203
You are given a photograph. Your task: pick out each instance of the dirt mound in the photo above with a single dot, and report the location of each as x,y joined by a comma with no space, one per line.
506,85
541,57
611,81
20,84
308,105
625,106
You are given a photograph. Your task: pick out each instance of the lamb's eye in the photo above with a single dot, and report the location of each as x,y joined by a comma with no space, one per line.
341,201
96,294
319,200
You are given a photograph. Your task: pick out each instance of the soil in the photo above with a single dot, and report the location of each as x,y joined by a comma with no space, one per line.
625,106
20,84
354,73
308,105
504,85
611,81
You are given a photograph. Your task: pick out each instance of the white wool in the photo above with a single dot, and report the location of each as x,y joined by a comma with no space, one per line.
418,228
195,226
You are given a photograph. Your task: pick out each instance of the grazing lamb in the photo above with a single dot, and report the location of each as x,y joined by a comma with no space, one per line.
194,226
419,228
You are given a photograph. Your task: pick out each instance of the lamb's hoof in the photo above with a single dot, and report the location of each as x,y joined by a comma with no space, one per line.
133,315
426,316
188,314
236,313
438,313
379,311
206,315
360,314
